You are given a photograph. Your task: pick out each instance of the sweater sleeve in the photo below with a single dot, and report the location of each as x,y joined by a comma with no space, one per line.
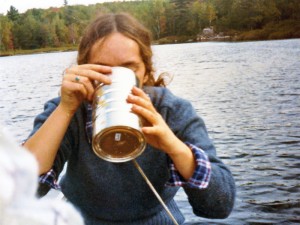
201,175
217,199
49,179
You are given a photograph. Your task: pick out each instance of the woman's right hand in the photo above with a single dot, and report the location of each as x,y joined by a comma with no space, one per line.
79,84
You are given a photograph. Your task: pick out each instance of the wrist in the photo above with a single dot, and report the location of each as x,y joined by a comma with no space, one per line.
178,148
65,111
183,158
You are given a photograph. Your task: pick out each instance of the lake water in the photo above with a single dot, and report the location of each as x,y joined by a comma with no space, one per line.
248,94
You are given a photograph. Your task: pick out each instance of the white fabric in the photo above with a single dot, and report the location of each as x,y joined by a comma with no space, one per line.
18,185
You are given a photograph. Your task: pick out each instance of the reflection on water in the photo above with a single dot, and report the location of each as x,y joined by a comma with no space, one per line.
248,94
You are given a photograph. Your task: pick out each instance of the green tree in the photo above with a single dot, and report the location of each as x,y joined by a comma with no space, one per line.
170,19
223,12
13,14
6,36
269,11
61,31
178,18
26,33
289,9
246,14
181,15
152,14
204,13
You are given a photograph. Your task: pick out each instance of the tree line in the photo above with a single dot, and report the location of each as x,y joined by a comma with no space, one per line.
167,19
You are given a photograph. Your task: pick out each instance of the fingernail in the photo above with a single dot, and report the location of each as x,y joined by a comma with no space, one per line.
130,96
107,80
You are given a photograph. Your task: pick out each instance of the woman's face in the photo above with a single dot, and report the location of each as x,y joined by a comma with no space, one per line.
118,50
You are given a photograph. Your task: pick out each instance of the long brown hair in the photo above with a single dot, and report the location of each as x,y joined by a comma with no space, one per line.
125,24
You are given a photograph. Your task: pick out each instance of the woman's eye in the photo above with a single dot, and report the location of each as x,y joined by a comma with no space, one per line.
133,68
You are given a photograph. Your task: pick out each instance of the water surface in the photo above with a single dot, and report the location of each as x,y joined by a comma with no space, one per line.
248,94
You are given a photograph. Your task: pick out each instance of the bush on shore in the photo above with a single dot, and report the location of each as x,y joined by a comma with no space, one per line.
272,31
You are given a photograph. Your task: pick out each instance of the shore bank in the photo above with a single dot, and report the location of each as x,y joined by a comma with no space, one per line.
37,51
169,40
288,29
273,31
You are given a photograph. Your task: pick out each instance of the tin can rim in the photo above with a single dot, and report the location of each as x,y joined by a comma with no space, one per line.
132,155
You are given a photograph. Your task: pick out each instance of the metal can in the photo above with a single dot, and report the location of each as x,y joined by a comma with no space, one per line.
117,135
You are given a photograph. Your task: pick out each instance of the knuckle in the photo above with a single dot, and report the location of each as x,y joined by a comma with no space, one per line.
148,104
66,76
84,79
90,73
79,86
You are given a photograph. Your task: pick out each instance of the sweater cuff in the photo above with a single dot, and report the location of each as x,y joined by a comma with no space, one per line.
50,179
201,175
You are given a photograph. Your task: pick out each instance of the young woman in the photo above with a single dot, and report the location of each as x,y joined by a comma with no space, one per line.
178,152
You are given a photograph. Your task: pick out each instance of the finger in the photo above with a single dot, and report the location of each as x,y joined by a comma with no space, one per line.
92,75
148,115
94,67
139,92
149,130
97,68
137,100
139,97
72,87
87,71
87,84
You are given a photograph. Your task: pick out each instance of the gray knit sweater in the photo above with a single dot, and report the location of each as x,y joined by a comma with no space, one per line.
115,193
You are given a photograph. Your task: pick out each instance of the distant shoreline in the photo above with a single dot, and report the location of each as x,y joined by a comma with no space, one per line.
170,40
279,31
37,51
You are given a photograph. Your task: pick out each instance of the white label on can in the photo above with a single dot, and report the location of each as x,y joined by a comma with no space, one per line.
117,136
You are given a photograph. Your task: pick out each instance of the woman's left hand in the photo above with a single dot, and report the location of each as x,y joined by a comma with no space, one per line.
156,131
159,135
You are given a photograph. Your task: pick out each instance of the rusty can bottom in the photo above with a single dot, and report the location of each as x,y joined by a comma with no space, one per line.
118,143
